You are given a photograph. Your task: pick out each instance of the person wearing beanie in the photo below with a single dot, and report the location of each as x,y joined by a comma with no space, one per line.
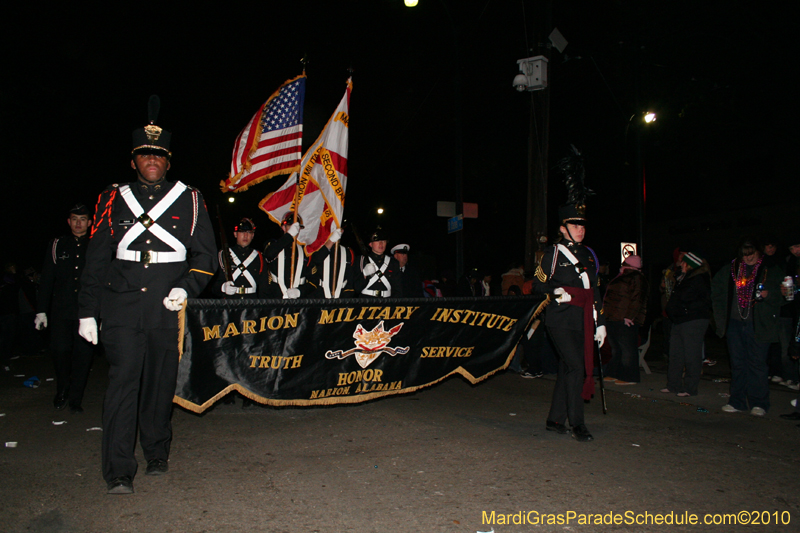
625,306
746,298
689,310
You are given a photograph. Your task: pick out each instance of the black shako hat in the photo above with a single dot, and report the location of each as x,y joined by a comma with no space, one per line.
574,211
152,138
572,214
288,219
378,235
79,209
244,225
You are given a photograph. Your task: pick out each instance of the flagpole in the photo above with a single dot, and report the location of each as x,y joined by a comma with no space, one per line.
304,61
335,267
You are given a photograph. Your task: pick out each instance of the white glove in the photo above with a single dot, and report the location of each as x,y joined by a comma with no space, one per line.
600,335
229,288
563,296
87,328
175,300
335,235
40,322
369,270
294,229
293,293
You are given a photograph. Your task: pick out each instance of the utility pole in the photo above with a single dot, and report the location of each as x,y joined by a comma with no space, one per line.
536,234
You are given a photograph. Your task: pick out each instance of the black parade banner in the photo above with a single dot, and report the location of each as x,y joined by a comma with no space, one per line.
324,352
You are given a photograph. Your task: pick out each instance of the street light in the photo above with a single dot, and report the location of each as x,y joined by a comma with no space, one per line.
411,3
231,199
380,210
647,117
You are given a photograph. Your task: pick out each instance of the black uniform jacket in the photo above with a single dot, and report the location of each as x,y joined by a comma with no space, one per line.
565,274
391,274
257,269
61,272
315,267
274,249
411,282
130,293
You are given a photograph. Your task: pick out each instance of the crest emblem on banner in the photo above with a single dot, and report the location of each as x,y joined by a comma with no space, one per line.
370,344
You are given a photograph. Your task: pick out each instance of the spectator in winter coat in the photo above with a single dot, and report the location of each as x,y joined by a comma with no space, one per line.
689,311
624,306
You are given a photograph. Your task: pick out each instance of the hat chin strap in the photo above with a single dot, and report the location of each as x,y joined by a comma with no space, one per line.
571,238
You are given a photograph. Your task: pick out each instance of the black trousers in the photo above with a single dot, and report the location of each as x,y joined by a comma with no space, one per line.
624,363
72,358
143,369
567,402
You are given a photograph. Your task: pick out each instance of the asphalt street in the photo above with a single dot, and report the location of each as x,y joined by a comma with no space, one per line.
452,458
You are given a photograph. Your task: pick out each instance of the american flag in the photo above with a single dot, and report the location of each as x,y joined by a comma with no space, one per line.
271,143
318,188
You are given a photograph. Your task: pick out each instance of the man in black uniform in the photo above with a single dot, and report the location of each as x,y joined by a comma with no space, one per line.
379,271
410,278
152,247
286,282
330,269
569,270
250,277
57,306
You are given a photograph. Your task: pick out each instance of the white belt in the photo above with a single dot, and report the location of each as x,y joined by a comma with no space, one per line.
245,290
148,256
377,293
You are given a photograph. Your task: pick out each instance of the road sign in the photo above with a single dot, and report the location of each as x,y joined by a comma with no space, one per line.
627,249
448,209
455,224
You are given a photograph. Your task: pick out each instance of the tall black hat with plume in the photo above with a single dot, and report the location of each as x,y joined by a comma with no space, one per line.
152,138
574,211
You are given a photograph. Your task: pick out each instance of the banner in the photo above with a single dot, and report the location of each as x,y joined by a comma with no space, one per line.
322,352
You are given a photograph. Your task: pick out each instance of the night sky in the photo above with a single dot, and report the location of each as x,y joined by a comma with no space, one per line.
76,83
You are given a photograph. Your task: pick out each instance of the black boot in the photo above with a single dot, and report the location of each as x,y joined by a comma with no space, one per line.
581,433
60,401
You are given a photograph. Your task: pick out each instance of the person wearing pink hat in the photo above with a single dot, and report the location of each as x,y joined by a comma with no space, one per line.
625,306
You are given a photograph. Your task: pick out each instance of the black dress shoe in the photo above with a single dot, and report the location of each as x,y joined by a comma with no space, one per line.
75,409
156,467
120,485
60,401
791,416
555,426
581,434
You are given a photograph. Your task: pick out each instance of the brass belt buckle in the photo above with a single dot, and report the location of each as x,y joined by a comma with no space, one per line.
241,290
146,256
377,292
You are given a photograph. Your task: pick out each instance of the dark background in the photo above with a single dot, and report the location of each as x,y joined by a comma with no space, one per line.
76,82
